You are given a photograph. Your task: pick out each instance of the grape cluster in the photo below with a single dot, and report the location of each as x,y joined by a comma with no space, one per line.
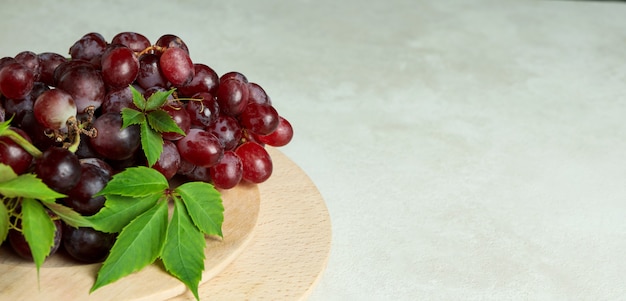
70,109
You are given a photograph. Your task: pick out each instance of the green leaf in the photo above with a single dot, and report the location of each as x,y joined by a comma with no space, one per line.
138,181
28,186
162,122
6,173
5,125
69,216
130,117
157,99
137,246
204,205
4,221
183,252
38,229
119,211
151,143
138,99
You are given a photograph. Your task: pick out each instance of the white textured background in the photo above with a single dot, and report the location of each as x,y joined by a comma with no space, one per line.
465,150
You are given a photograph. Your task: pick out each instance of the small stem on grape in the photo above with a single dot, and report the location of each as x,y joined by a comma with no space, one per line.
151,48
25,144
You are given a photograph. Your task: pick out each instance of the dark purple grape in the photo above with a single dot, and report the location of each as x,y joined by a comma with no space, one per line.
85,84
205,79
169,161
176,66
171,41
16,80
200,148
14,155
150,72
49,62
81,197
259,119
100,163
120,66
86,244
31,61
181,118
133,40
228,172
112,142
18,107
89,47
20,245
232,96
203,109
116,100
234,75
58,168
227,131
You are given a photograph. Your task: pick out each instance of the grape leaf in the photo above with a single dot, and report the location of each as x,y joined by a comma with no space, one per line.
68,215
38,229
28,186
130,117
138,99
151,143
6,173
4,221
183,252
157,100
204,205
5,125
162,122
118,211
138,181
138,245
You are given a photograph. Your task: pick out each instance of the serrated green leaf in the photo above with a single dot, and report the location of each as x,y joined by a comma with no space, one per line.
151,143
138,181
138,99
130,117
6,173
4,221
138,245
28,186
162,122
38,229
204,204
157,99
119,211
68,215
183,252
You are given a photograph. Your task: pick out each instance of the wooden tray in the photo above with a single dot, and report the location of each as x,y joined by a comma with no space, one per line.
281,257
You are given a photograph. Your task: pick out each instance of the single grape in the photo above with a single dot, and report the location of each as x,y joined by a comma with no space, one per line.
260,119
85,84
120,66
150,72
257,164
59,168
169,161
200,173
279,137
200,148
19,107
234,75
105,167
14,155
89,47
86,244
16,80
171,41
227,130
228,172
53,108
203,109
112,142
117,99
31,61
181,118
6,60
176,66
81,197
205,79
185,168
232,96
133,40
20,245
49,62
256,94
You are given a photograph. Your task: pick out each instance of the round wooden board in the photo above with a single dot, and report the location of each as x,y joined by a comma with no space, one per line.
290,247
63,279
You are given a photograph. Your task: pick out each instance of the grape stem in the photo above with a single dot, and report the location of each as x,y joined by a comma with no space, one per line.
152,48
25,144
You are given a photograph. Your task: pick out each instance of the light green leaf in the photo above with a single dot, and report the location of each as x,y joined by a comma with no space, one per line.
119,211
204,205
138,181
130,117
4,221
151,143
157,99
6,173
68,215
183,252
5,125
138,245
162,122
28,186
138,99
38,229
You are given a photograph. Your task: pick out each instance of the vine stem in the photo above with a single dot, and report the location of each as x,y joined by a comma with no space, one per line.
21,141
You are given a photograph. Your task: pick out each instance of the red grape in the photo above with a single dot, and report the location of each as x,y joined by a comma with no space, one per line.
260,119
120,66
58,168
257,164
176,66
228,172
281,136
16,80
53,108
200,148
112,142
